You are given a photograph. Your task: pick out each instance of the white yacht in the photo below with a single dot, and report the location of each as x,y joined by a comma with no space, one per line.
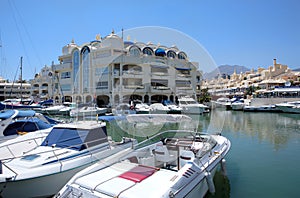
87,111
289,107
222,103
174,163
67,149
158,108
191,106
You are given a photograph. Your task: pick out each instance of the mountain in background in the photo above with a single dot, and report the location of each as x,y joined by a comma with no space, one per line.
225,69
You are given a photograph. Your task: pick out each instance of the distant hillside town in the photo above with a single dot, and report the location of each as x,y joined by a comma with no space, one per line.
277,80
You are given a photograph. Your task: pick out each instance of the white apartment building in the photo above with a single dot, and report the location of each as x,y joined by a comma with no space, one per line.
110,71
10,90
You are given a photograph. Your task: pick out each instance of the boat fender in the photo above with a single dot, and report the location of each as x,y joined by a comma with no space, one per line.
210,183
21,133
223,167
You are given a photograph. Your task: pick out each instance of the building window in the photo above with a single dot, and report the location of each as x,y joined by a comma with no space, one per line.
182,56
102,85
171,54
65,87
134,51
85,67
65,75
148,51
75,69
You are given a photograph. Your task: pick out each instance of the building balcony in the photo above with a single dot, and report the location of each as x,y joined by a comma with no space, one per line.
160,89
129,88
132,74
159,74
64,66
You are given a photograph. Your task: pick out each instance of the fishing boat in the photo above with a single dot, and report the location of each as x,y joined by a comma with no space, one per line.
172,163
67,149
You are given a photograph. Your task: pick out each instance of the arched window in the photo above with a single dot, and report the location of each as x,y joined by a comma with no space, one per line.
182,55
171,54
135,51
148,51
75,69
85,53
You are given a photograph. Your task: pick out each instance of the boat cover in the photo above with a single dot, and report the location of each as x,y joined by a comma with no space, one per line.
6,114
76,139
26,125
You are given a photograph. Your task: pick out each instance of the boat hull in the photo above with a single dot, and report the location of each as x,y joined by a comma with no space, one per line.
43,186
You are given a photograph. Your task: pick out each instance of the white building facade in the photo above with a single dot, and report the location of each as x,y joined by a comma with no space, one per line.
109,71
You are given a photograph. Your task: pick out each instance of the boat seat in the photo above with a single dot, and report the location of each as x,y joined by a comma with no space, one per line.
162,154
185,156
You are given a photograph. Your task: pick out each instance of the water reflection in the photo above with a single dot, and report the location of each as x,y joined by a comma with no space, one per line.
222,186
276,128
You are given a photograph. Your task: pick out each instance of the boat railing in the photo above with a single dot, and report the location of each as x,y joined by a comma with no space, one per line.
59,157
36,140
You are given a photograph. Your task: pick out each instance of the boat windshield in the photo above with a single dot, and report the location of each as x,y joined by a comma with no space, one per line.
76,139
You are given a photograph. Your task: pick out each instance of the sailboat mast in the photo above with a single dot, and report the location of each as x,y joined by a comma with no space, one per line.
21,77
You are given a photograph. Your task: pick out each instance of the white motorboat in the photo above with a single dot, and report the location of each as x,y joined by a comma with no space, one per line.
158,108
262,108
141,108
87,111
123,109
173,108
18,122
68,106
223,102
289,107
175,163
191,106
238,105
67,149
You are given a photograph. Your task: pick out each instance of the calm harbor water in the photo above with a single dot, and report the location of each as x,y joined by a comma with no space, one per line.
264,158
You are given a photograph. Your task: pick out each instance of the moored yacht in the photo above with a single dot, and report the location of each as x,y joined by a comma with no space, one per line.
289,107
173,163
191,106
67,149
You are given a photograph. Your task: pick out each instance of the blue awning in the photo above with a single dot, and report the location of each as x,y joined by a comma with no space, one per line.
180,68
160,51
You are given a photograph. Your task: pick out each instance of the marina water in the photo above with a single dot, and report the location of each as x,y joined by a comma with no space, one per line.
264,158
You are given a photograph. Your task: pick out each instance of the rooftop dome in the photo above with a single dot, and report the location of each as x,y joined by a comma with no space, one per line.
113,41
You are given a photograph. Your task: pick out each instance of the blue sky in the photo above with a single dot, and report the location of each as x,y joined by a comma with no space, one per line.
243,32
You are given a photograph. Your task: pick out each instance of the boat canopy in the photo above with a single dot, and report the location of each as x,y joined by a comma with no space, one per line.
74,138
6,114
25,113
25,126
